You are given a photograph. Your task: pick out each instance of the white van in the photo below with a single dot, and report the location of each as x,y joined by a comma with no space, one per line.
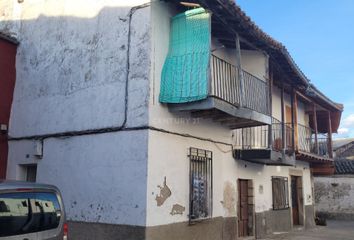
31,211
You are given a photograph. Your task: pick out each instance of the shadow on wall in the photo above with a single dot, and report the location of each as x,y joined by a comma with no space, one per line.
72,72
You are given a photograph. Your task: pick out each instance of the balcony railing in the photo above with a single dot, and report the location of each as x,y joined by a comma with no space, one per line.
251,92
260,137
307,141
256,94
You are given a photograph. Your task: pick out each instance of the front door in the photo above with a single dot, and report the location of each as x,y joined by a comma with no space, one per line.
296,199
245,208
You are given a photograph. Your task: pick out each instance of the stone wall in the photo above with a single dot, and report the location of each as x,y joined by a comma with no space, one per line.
334,196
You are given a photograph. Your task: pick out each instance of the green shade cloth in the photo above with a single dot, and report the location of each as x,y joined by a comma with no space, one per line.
185,72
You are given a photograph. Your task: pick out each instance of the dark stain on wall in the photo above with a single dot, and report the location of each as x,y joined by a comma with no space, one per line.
177,210
165,192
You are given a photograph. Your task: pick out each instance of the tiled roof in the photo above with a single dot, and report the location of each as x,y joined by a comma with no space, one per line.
344,167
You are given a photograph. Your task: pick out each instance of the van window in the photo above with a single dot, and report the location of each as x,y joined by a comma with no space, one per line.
48,210
28,212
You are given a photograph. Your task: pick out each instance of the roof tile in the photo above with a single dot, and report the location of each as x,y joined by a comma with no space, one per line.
344,167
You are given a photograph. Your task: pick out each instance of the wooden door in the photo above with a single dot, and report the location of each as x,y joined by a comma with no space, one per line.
288,127
243,208
300,200
295,200
288,118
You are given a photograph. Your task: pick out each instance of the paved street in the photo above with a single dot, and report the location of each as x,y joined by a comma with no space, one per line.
339,230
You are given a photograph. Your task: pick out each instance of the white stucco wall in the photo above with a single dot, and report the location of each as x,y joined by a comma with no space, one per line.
302,116
71,76
168,157
72,64
256,63
335,195
228,54
102,177
276,102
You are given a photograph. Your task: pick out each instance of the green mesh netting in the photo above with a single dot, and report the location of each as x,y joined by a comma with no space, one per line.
185,72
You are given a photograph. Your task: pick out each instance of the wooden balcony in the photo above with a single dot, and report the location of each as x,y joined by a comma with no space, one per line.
271,145
313,147
265,144
314,142
236,98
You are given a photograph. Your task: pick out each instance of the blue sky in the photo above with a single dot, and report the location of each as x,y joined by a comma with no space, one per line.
319,35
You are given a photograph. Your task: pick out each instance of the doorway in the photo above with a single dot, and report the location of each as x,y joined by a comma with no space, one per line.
297,200
288,127
245,208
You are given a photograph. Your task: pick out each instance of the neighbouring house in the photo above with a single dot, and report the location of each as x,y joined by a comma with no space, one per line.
334,194
343,149
164,120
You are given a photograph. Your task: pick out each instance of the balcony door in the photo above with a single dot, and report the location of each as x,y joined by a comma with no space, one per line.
288,127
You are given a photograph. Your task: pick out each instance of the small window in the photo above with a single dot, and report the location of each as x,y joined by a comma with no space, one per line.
200,184
31,173
28,172
28,212
280,193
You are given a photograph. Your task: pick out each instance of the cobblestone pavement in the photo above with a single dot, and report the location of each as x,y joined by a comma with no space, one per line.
338,230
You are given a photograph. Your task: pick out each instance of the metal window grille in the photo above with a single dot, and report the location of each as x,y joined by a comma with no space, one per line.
280,191
201,186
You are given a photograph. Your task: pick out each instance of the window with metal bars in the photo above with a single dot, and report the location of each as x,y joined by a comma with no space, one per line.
201,185
280,191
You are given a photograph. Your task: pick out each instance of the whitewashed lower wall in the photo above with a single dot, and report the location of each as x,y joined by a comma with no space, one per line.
102,177
168,157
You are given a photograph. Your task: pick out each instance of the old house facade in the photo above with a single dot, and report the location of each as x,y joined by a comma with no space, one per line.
164,120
